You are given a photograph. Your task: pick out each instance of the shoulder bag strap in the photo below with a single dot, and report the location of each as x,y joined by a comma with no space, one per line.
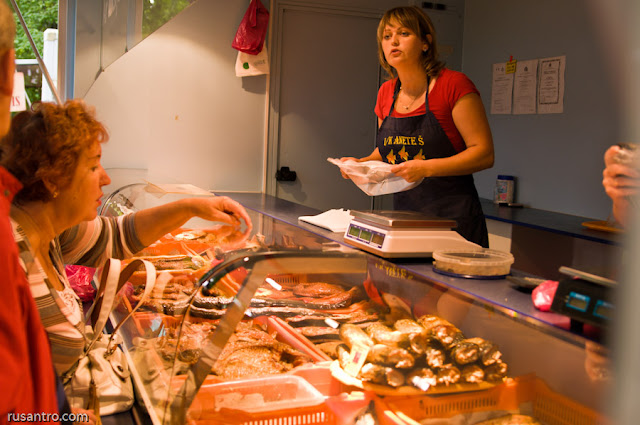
151,282
105,297
111,281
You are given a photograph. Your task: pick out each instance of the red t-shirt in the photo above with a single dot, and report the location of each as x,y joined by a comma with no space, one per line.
27,378
450,86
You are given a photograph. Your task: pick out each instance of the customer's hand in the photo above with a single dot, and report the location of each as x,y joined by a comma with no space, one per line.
621,181
222,209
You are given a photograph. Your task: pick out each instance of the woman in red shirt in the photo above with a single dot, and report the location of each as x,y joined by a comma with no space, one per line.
431,125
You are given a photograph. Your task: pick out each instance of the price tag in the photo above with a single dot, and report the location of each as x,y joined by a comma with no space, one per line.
357,357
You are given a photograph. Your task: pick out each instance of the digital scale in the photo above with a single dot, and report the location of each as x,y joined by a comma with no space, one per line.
585,298
399,234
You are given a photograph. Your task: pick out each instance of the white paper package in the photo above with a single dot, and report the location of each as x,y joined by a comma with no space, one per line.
374,177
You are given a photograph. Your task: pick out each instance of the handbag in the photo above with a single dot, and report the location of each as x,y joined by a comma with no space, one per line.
252,30
100,380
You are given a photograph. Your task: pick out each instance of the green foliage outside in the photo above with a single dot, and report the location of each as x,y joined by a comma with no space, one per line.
38,15
158,12
42,14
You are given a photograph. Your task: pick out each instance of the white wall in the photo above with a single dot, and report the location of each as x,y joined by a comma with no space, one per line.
174,106
557,158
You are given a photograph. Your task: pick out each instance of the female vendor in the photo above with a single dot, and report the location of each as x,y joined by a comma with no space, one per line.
431,125
54,151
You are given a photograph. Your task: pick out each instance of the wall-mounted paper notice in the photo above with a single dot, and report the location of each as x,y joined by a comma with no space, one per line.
18,98
524,87
501,89
551,85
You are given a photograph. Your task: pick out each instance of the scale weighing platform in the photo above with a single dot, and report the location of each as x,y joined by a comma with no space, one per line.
402,234
584,298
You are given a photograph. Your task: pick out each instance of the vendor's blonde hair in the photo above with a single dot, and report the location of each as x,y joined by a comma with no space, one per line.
419,23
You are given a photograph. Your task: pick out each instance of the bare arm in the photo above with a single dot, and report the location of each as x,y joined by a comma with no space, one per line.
471,121
153,223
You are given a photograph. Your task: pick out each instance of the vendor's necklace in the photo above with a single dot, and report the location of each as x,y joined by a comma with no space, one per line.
406,107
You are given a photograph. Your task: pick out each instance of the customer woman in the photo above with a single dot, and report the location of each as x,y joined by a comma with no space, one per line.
431,124
55,153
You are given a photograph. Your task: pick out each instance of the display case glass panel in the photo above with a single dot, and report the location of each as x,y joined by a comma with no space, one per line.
286,302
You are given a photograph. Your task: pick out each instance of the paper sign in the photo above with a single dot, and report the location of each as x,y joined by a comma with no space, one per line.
357,357
511,67
18,98
524,87
551,85
501,89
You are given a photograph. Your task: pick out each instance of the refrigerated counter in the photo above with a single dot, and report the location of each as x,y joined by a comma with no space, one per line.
289,252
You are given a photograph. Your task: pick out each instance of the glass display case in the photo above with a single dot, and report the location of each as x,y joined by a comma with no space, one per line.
290,327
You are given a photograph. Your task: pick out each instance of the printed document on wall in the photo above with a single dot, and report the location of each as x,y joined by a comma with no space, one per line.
501,89
524,87
551,85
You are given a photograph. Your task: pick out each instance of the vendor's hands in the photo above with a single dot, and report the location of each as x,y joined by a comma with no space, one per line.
411,171
346,158
621,182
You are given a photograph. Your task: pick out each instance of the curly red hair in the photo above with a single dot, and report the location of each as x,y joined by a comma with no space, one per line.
45,144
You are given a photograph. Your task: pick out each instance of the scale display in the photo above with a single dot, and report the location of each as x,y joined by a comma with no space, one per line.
584,298
365,235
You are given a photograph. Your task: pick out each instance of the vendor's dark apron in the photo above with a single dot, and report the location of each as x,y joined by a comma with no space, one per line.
455,197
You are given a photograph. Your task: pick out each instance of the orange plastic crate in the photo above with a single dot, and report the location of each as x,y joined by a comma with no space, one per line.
549,407
202,413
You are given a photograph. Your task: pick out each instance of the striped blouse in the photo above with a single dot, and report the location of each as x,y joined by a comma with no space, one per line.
90,243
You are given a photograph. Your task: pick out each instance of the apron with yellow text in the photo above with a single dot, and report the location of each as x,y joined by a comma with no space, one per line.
402,139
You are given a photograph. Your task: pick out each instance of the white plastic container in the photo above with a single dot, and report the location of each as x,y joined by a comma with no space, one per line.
267,393
473,263
505,187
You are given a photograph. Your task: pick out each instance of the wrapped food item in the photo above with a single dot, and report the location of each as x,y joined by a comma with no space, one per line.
418,340
352,335
489,353
422,378
511,419
465,352
448,374
394,377
391,356
472,374
373,373
435,356
382,334
496,372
